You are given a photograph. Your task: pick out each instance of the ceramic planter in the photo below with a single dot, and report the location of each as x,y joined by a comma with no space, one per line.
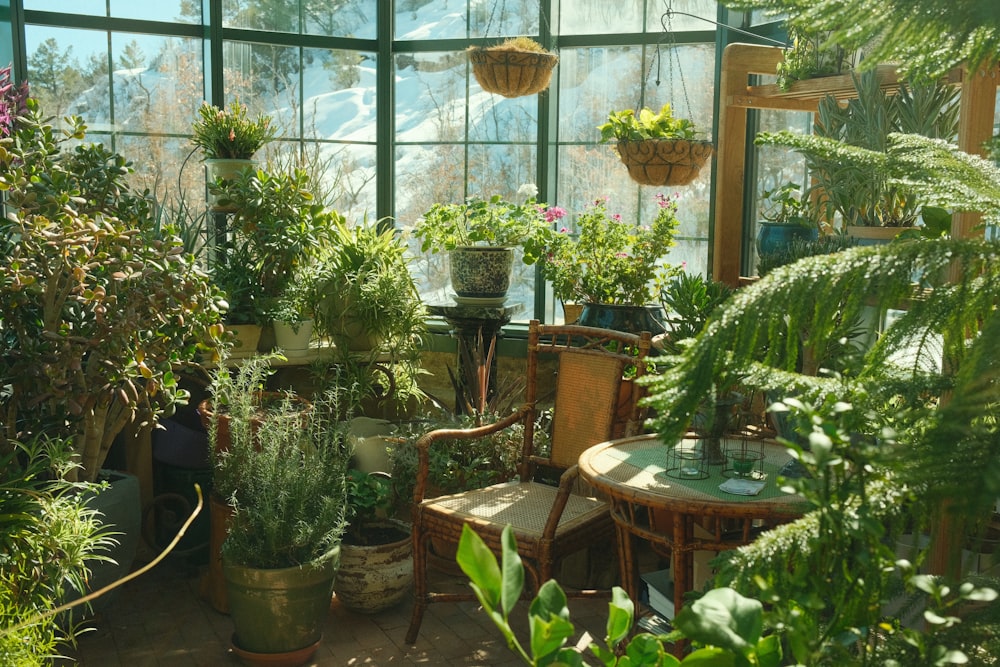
293,338
481,272
247,340
627,318
226,169
774,236
277,611
120,506
374,577
874,235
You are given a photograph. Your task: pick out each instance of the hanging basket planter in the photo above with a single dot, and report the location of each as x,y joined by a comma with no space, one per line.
664,161
512,72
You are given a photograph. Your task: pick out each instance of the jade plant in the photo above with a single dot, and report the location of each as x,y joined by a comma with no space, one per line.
101,307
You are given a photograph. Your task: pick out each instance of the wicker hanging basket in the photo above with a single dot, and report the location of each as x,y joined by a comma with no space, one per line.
664,161
512,73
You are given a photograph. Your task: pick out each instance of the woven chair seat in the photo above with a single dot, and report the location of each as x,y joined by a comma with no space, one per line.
525,506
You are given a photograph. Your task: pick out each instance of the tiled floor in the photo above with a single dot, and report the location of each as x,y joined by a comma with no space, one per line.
161,619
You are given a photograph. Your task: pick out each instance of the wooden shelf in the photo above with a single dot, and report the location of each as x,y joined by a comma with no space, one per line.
740,62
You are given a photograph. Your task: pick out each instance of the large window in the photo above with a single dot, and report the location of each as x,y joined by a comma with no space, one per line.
385,142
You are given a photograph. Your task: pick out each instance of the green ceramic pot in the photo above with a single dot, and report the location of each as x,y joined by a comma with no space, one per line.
279,610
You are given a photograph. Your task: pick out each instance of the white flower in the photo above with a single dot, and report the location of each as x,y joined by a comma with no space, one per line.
527,191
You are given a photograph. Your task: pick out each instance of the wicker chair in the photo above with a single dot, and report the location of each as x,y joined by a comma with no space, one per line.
593,403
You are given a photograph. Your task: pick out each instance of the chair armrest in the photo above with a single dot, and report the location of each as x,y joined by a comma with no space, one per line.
566,482
425,441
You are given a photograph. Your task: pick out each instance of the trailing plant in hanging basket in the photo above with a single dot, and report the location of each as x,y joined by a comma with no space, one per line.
514,68
657,148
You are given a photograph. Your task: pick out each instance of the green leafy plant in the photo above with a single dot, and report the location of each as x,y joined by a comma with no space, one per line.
627,126
230,133
363,286
846,155
101,308
812,54
370,498
50,538
290,489
608,260
494,221
276,229
728,626
784,206
832,579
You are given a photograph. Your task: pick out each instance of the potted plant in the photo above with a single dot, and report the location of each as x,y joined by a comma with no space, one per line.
812,54
276,229
52,540
364,296
100,308
376,555
480,236
845,154
784,216
237,402
293,312
610,265
282,549
515,67
657,148
229,137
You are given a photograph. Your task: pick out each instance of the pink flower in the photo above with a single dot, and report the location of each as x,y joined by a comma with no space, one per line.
554,213
564,230
617,217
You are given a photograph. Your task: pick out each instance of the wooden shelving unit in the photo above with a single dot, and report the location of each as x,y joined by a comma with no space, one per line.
740,62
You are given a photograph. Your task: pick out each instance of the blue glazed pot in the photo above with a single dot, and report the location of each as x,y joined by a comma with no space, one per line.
773,236
630,319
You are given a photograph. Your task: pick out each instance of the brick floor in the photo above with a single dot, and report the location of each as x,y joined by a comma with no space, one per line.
162,620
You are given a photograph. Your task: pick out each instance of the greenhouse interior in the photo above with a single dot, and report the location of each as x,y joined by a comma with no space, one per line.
688,358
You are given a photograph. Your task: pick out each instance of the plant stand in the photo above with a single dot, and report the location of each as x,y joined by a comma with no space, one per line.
475,326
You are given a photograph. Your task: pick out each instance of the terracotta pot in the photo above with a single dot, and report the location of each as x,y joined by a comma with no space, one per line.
223,437
220,513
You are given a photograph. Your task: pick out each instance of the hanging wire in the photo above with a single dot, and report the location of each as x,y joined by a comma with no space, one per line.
666,23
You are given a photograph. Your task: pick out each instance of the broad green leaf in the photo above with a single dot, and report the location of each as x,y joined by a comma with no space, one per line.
709,657
513,570
548,635
620,613
480,566
723,618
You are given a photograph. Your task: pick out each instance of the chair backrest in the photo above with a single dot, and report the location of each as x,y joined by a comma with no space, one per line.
596,397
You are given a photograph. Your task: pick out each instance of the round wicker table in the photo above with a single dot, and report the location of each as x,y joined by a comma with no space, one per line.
647,503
